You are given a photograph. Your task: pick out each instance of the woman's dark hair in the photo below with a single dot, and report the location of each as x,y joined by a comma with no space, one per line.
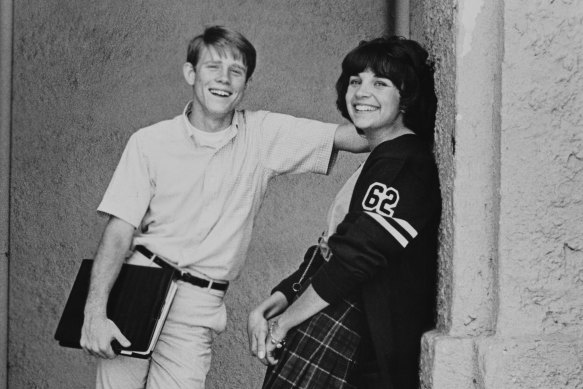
223,39
405,63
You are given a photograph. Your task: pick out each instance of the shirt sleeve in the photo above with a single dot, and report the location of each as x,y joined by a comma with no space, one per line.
129,192
393,205
296,145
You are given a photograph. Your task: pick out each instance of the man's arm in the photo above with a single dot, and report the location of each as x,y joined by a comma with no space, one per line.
98,331
347,139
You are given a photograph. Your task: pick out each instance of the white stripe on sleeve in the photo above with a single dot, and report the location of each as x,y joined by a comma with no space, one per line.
406,226
390,229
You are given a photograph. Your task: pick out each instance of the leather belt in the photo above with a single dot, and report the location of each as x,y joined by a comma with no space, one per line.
184,276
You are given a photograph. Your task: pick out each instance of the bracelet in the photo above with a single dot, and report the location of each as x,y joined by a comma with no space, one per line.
279,343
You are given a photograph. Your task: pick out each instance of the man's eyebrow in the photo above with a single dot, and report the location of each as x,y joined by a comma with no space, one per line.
218,61
212,61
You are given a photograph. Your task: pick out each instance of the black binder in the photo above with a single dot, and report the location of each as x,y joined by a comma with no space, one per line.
138,304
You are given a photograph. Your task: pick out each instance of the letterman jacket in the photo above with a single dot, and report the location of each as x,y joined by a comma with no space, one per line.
386,247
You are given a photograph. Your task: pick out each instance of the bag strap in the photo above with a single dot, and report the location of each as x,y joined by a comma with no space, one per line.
297,286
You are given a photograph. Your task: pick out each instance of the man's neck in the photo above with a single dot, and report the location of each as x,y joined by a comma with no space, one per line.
207,122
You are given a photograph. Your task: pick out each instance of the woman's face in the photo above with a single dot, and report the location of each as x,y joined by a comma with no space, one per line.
372,102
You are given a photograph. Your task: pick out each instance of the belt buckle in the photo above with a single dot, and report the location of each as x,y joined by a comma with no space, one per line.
184,276
210,285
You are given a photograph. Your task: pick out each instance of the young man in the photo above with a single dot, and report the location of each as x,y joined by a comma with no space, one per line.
187,190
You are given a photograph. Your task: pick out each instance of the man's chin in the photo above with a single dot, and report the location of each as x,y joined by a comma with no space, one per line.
222,111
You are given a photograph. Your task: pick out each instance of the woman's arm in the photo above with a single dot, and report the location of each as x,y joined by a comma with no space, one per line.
257,322
281,297
364,242
290,286
307,305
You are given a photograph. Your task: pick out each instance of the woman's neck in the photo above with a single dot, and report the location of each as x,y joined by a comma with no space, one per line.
375,138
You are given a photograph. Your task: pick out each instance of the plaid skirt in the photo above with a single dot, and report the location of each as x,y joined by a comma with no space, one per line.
322,352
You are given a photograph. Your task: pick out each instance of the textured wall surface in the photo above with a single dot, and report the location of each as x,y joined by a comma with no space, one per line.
541,239
432,24
551,361
540,320
5,111
477,156
467,151
512,288
88,74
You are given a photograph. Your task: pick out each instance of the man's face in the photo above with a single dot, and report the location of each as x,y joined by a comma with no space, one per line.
219,82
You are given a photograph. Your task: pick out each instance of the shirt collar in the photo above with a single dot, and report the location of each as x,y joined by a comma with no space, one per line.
233,128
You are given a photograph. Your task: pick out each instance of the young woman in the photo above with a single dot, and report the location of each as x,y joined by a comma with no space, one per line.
353,314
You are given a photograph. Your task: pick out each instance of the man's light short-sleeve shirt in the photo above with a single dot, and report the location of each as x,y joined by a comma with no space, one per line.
195,205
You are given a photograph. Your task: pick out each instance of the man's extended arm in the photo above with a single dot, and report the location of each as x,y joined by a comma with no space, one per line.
347,139
98,331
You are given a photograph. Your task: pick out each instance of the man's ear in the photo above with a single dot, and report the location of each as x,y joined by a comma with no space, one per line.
189,73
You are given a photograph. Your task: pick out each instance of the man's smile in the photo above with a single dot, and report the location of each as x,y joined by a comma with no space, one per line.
220,92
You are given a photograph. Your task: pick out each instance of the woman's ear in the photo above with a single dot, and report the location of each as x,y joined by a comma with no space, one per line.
189,73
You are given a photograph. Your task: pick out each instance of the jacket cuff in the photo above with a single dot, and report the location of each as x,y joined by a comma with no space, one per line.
313,260
333,282
285,287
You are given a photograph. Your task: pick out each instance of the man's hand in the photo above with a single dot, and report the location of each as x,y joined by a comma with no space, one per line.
97,334
348,139
257,331
98,331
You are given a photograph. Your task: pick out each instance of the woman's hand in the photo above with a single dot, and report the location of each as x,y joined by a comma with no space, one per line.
276,336
305,306
257,323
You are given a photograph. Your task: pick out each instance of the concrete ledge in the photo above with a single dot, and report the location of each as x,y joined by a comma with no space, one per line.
488,362
448,362
554,361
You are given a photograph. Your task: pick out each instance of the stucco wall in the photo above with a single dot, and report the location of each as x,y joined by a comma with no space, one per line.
432,24
511,289
540,315
5,110
88,74
541,230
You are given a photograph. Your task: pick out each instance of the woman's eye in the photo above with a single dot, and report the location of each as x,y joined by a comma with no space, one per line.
354,82
381,84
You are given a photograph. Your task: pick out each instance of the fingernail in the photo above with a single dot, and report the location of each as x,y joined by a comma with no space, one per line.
261,354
